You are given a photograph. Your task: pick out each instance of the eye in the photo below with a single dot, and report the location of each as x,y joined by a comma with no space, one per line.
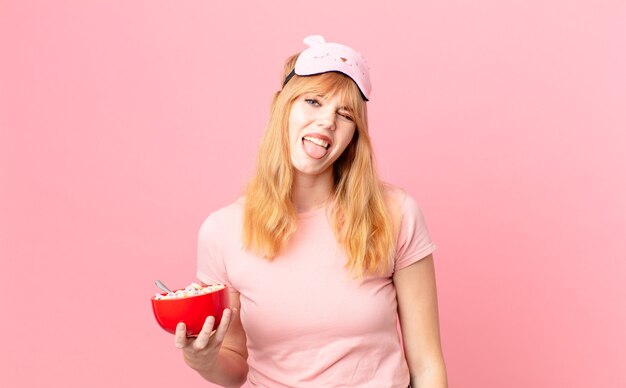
346,115
312,101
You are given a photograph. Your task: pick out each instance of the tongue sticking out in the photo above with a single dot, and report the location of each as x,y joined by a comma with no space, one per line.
313,150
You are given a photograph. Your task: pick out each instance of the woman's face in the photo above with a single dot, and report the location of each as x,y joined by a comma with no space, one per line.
320,129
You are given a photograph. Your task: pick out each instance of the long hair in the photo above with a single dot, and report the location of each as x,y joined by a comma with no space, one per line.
361,219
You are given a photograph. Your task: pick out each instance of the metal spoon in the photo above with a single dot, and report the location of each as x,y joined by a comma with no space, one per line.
162,286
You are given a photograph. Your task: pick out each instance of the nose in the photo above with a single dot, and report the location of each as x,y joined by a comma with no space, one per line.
326,119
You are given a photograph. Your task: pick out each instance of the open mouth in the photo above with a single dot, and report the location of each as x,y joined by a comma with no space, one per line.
316,141
315,147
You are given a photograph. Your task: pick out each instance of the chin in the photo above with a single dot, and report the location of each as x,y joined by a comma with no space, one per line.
310,170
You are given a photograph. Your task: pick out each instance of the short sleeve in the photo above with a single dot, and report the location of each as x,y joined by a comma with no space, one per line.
211,265
414,242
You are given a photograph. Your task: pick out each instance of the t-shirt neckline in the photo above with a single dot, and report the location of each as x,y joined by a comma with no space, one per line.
313,212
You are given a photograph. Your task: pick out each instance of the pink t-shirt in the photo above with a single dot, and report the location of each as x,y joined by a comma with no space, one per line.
308,322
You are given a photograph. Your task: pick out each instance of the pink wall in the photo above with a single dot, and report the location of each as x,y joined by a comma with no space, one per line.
123,124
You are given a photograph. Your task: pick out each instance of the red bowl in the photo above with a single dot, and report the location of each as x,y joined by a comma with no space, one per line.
192,310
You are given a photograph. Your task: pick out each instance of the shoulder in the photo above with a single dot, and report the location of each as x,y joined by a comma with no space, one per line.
224,218
413,241
399,202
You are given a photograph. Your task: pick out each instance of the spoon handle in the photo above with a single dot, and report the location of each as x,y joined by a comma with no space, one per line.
162,286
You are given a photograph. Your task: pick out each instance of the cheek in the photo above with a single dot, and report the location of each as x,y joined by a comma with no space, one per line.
347,138
297,120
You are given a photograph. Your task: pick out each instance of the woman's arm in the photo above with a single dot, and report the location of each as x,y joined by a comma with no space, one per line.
419,320
219,357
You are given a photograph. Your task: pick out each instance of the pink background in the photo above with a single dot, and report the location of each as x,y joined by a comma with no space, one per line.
123,124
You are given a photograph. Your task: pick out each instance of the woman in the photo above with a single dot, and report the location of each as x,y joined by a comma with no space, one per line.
322,259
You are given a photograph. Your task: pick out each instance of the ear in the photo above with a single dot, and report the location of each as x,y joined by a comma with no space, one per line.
314,40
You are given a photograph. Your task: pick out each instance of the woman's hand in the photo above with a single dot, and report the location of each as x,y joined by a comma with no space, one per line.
219,356
201,353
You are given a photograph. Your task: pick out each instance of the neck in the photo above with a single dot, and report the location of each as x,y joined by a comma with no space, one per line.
311,191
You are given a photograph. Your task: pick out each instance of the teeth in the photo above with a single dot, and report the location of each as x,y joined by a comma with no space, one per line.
317,141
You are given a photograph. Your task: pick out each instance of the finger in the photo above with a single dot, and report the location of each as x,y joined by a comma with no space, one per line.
223,327
180,337
205,334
